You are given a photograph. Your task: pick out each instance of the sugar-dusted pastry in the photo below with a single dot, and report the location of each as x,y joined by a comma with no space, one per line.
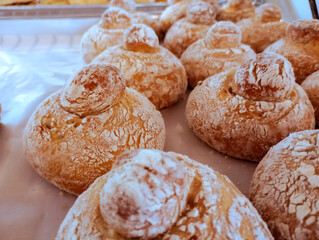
311,86
150,194
285,187
236,10
149,68
200,16
244,112
263,29
107,33
177,10
127,5
220,50
139,17
75,134
300,47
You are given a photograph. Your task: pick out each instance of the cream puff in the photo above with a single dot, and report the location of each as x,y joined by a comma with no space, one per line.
75,134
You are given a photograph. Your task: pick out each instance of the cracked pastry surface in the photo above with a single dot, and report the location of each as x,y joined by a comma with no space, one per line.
311,86
75,134
107,33
199,17
139,17
285,187
150,194
220,50
300,47
259,104
263,29
149,68
236,10
177,10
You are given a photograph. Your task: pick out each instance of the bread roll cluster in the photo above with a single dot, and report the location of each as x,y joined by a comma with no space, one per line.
101,136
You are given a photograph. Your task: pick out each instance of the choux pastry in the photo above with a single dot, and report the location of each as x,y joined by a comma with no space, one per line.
236,10
149,68
263,29
75,134
285,187
107,33
220,50
150,194
244,112
200,16
300,47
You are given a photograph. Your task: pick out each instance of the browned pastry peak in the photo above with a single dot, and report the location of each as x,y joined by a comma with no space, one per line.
201,13
127,5
268,13
115,18
239,3
267,77
140,37
143,197
304,31
92,89
223,34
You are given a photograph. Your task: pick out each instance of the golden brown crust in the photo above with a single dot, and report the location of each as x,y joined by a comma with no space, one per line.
149,68
127,5
300,47
311,86
285,187
177,11
200,16
236,10
92,89
107,33
265,28
72,151
219,51
213,209
225,120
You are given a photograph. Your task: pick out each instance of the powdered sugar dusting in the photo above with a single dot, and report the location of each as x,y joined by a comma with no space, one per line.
60,145
212,201
115,18
285,186
144,197
224,120
139,35
268,77
201,13
157,74
127,5
92,89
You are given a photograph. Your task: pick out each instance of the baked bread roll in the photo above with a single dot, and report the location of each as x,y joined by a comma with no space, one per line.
200,16
285,187
263,29
139,17
178,10
220,50
311,86
75,134
300,47
150,194
149,68
243,113
107,33
236,10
